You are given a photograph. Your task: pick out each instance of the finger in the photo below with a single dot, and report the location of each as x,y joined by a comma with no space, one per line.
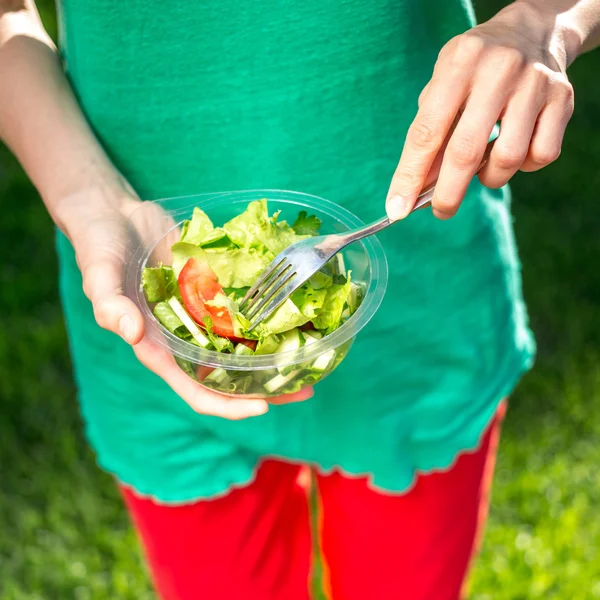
436,165
439,107
300,396
423,94
467,145
102,283
549,131
516,130
161,362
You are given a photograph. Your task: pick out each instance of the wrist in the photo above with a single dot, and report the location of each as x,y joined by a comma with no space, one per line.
571,38
564,38
94,191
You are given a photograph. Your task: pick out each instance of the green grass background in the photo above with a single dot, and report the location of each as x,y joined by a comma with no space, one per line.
63,531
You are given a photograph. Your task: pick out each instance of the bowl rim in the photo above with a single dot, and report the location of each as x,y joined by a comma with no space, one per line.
155,331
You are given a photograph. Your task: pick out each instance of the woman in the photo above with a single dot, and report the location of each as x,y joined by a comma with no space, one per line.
170,99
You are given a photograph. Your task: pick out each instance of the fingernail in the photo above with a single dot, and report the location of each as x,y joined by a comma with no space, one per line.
398,207
126,328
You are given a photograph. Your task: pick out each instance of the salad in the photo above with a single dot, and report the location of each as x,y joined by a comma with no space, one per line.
197,299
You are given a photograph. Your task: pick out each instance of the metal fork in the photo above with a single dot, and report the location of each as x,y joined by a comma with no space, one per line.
300,261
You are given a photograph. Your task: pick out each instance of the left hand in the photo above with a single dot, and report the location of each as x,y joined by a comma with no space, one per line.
104,221
510,69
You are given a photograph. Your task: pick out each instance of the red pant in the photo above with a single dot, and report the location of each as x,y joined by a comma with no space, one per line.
255,543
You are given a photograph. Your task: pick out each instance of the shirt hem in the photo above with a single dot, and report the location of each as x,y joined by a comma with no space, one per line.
469,446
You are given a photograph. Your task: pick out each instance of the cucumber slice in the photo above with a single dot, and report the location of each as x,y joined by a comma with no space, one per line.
269,345
309,339
279,381
292,340
187,321
230,382
219,376
354,297
314,334
243,350
321,364
240,385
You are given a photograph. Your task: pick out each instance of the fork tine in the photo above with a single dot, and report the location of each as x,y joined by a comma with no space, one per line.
285,292
275,290
264,276
268,310
273,283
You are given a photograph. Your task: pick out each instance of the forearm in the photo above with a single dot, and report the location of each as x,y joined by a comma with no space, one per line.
579,20
40,119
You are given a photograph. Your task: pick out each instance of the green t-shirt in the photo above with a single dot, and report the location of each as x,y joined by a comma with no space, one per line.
311,96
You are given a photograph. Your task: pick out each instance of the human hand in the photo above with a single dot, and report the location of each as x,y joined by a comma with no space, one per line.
97,221
510,69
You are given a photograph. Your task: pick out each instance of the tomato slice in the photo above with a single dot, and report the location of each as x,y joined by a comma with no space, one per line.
198,284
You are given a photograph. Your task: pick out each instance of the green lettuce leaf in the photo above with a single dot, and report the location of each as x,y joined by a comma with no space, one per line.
307,224
220,344
236,268
309,301
200,231
286,317
159,283
255,229
217,240
268,345
330,317
197,228
320,280
236,293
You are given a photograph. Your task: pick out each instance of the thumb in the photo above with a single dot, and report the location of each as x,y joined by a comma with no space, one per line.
102,284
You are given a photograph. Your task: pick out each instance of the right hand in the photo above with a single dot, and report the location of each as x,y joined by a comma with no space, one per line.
96,222
512,69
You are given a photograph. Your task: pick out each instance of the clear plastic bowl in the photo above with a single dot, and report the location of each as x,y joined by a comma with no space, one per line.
155,226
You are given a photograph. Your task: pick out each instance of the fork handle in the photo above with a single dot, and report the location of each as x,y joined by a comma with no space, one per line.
423,199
